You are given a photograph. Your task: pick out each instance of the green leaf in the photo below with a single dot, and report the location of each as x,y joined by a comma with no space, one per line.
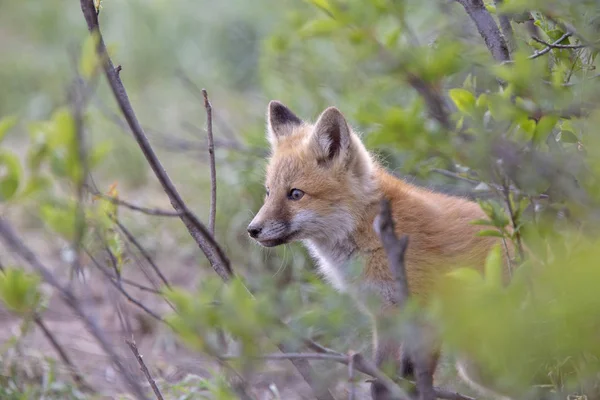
19,290
467,275
318,27
6,124
493,267
486,222
89,61
10,174
60,218
463,99
567,137
490,232
544,127
324,5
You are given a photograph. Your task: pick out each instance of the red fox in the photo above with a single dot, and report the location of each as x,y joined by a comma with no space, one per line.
324,188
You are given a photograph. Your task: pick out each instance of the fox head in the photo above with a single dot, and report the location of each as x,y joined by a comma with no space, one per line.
319,179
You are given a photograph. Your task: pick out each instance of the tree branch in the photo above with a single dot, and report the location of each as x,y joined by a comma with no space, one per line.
197,230
213,169
126,204
487,29
550,46
143,251
18,246
418,344
506,27
555,45
144,369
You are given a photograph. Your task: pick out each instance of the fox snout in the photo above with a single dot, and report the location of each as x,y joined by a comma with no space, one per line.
254,230
270,233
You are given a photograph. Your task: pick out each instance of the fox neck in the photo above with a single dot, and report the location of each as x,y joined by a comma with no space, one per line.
336,250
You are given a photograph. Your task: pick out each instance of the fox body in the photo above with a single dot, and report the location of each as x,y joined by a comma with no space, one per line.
324,189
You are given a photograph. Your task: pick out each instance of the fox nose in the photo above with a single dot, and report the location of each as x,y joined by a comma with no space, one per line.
254,231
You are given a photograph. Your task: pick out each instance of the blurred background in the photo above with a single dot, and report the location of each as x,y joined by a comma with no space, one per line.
377,61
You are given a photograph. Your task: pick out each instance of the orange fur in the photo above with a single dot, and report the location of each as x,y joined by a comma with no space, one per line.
342,186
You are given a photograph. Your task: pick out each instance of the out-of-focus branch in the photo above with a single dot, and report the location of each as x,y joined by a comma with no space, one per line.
363,365
143,251
549,47
18,246
417,344
487,29
144,369
126,204
196,228
555,45
213,168
77,378
506,27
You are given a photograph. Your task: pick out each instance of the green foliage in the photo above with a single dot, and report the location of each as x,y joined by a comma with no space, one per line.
526,127
19,290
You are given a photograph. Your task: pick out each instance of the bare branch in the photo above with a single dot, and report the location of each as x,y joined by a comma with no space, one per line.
418,345
395,249
507,30
126,204
197,230
211,249
144,369
142,250
116,281
79,380
361,364
18,246
555,45
550,46
487,29
352,389
570,28
213,169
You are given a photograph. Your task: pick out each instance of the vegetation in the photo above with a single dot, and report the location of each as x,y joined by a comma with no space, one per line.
497,101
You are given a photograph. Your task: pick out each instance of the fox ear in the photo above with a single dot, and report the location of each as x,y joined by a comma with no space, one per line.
280,121
331,134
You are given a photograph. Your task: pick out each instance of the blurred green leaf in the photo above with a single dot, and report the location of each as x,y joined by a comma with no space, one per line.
463,99
10,174
19,290
6,124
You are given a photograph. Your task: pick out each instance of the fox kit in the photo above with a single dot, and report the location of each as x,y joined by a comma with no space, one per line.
324,188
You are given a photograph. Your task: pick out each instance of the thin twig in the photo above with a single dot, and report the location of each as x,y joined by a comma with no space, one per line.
549,47
558,46
143,251
514,222
352,386
117,284
570,28
79,380
126,204
18,246
213,169
140,360
196,228
418,344
361,364
211,249
487,29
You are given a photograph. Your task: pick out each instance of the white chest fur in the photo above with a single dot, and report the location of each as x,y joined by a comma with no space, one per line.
333,260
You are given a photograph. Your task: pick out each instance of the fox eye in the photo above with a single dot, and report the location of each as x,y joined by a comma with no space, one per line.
295,194
267,191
